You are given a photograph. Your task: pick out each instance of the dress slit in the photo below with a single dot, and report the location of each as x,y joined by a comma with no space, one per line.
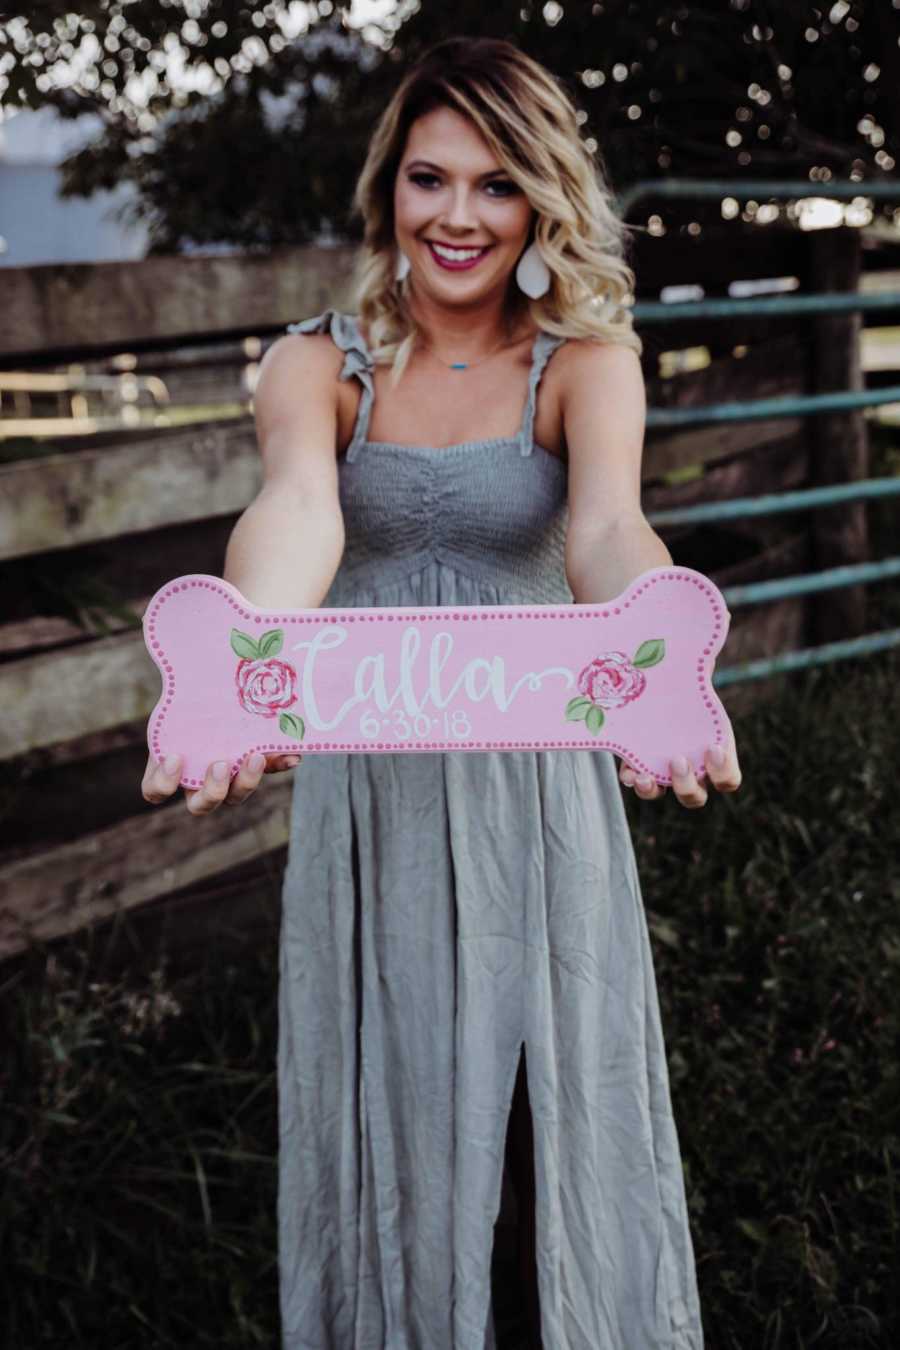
517,1315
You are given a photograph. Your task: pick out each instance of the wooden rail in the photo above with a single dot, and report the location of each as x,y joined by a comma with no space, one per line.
61,501
84,307
165,849
60,695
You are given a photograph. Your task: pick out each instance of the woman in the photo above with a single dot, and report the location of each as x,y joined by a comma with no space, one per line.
472,437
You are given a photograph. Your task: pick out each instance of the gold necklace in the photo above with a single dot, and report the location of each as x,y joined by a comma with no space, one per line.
467,365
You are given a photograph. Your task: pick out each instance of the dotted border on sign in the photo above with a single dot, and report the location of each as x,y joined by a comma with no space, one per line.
441,614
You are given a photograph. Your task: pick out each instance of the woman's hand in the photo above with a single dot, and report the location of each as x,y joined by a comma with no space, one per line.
722,770
161,780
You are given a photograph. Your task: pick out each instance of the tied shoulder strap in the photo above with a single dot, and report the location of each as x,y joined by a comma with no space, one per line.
545,344
344,332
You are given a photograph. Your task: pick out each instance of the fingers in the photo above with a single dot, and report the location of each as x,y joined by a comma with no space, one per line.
246,780
644,784
249,775
722,765
161,780
687,789
722,772
200,801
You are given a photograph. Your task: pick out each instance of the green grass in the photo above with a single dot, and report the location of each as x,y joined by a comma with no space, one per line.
139,1144
138,1134
778,961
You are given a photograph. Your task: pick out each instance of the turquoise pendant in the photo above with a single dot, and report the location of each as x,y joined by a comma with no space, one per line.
460,365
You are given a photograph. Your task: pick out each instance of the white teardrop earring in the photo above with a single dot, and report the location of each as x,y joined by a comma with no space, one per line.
402,269
532,273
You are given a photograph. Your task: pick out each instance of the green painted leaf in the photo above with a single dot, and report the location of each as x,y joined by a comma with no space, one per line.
291,725
649,653
243,645
594,719
576,708
270,643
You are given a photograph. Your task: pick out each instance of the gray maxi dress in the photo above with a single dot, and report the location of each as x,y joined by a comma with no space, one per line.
440,911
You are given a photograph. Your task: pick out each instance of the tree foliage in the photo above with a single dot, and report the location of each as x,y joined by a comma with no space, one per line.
256,135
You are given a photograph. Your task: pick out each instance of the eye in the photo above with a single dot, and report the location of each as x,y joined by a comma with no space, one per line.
505,187
422,179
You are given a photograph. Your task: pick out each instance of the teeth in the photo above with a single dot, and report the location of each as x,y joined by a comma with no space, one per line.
456,254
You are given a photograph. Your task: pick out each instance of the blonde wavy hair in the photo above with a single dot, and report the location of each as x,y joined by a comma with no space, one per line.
531,126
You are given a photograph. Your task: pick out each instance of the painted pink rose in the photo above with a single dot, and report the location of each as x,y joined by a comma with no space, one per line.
611,680
266,686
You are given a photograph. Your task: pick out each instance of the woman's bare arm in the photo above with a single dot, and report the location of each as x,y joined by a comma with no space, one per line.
609,540
287,545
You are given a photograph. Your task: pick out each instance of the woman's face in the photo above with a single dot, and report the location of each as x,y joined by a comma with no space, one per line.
451,194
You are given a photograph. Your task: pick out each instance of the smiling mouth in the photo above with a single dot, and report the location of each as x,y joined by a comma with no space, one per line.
456,258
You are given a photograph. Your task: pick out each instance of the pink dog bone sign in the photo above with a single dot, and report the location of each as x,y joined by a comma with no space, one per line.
632,675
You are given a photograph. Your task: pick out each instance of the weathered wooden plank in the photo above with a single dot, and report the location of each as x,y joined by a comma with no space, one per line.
65,791
778,366
784,463
82,689
764,630
706,445
60,890
778,555
774,372
53,759
79,307
52,630
44,630
69,499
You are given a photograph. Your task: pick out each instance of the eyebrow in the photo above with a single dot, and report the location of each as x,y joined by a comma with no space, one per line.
427,164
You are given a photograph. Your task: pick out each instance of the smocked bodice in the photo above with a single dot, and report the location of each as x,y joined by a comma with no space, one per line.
491,511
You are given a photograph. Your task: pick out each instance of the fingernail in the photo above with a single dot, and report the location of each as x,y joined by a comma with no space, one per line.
171,763
628,778
292,761
220,770
645,781
256,762
717,755
679,765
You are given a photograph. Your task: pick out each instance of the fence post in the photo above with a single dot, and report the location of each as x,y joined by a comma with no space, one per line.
839,448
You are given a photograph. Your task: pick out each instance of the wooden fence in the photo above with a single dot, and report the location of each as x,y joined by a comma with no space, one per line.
91,526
